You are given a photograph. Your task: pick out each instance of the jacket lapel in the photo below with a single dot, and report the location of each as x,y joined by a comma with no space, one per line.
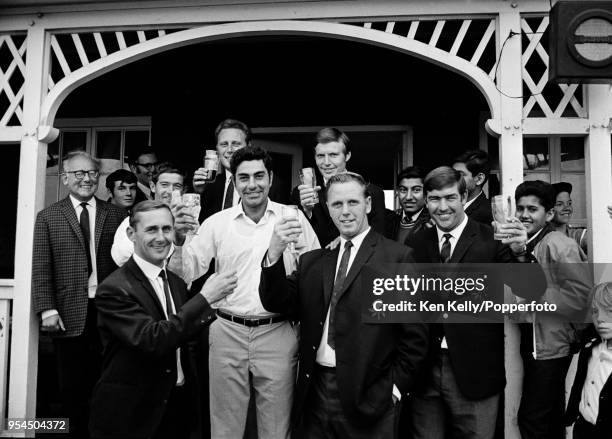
465,241
433,250
146,285
68,211
366,250
329,272
175,289
101,212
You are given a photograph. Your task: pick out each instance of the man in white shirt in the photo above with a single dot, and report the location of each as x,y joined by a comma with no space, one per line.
247,339
352,374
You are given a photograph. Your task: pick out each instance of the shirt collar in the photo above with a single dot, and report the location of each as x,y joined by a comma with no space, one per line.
534,236
415,216
456,232
272,207
355,240
151,271
472,200
76,203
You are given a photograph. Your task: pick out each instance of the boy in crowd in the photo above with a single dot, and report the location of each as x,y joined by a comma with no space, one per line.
590,401
547,339
121,185
474,167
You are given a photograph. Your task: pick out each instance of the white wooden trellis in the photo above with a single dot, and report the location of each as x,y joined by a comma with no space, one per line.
15,68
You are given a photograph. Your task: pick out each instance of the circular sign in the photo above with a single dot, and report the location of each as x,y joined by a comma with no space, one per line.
590,38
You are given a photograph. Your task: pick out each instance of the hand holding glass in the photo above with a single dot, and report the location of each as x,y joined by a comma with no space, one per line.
211,164
501,208
308,178
192,203
291,212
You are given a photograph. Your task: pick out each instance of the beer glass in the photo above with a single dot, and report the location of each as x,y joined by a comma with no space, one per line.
309,178
501,208
211,164
192,203
290,212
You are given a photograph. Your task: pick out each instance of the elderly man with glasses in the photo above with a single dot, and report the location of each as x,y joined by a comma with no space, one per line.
144,165
72,255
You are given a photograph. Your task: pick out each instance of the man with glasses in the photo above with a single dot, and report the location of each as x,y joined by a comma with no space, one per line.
72,243
145,167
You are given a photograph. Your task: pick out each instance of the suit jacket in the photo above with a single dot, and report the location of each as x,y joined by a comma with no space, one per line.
604,417
59,264
480,210
324,226
139,363
476,349
370,358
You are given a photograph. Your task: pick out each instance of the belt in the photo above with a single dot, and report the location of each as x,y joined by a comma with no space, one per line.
250,322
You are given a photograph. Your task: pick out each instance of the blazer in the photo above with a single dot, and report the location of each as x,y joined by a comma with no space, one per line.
604,417
324,226
139,361
476,349
480,210
59,262
370,358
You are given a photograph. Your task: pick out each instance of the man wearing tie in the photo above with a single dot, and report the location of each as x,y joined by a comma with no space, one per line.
147,389
72,243
465,375
351,374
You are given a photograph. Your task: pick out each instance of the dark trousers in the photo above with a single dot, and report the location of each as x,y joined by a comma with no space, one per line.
540,414
324,418
177,422
79,361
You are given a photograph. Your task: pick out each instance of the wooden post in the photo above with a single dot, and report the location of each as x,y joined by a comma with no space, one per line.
32,163
509,81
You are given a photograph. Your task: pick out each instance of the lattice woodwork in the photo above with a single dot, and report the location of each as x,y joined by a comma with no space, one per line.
541,99
12,79
70,52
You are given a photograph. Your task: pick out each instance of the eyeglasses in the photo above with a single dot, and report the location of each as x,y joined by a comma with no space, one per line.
148,165
79,175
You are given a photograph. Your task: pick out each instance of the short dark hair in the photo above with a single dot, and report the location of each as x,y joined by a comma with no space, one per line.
477,162
347,177
410,172
562,186
542,190
135,154
84,154
171,169
147,206
330,134
236,124
121,176
444,176
249,153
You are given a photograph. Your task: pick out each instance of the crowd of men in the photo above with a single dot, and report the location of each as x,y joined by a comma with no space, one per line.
170,326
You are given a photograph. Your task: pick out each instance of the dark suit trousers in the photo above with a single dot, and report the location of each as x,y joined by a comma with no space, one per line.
79,361
543,400
324,418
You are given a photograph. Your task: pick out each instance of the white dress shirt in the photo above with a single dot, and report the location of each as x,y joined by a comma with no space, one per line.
152,271
455,235
467,203
600,367
236,242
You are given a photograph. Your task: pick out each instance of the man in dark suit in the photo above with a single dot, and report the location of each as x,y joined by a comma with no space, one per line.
332,152
72,243
466,376
144,166
147,387
474,167
412,216
351,374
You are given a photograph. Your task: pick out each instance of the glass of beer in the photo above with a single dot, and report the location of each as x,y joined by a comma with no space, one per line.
290,212
501,208
192,203
211,164
309,178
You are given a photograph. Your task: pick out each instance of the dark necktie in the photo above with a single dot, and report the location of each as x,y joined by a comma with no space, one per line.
445,253
229,195
338,283
84,220
162,274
